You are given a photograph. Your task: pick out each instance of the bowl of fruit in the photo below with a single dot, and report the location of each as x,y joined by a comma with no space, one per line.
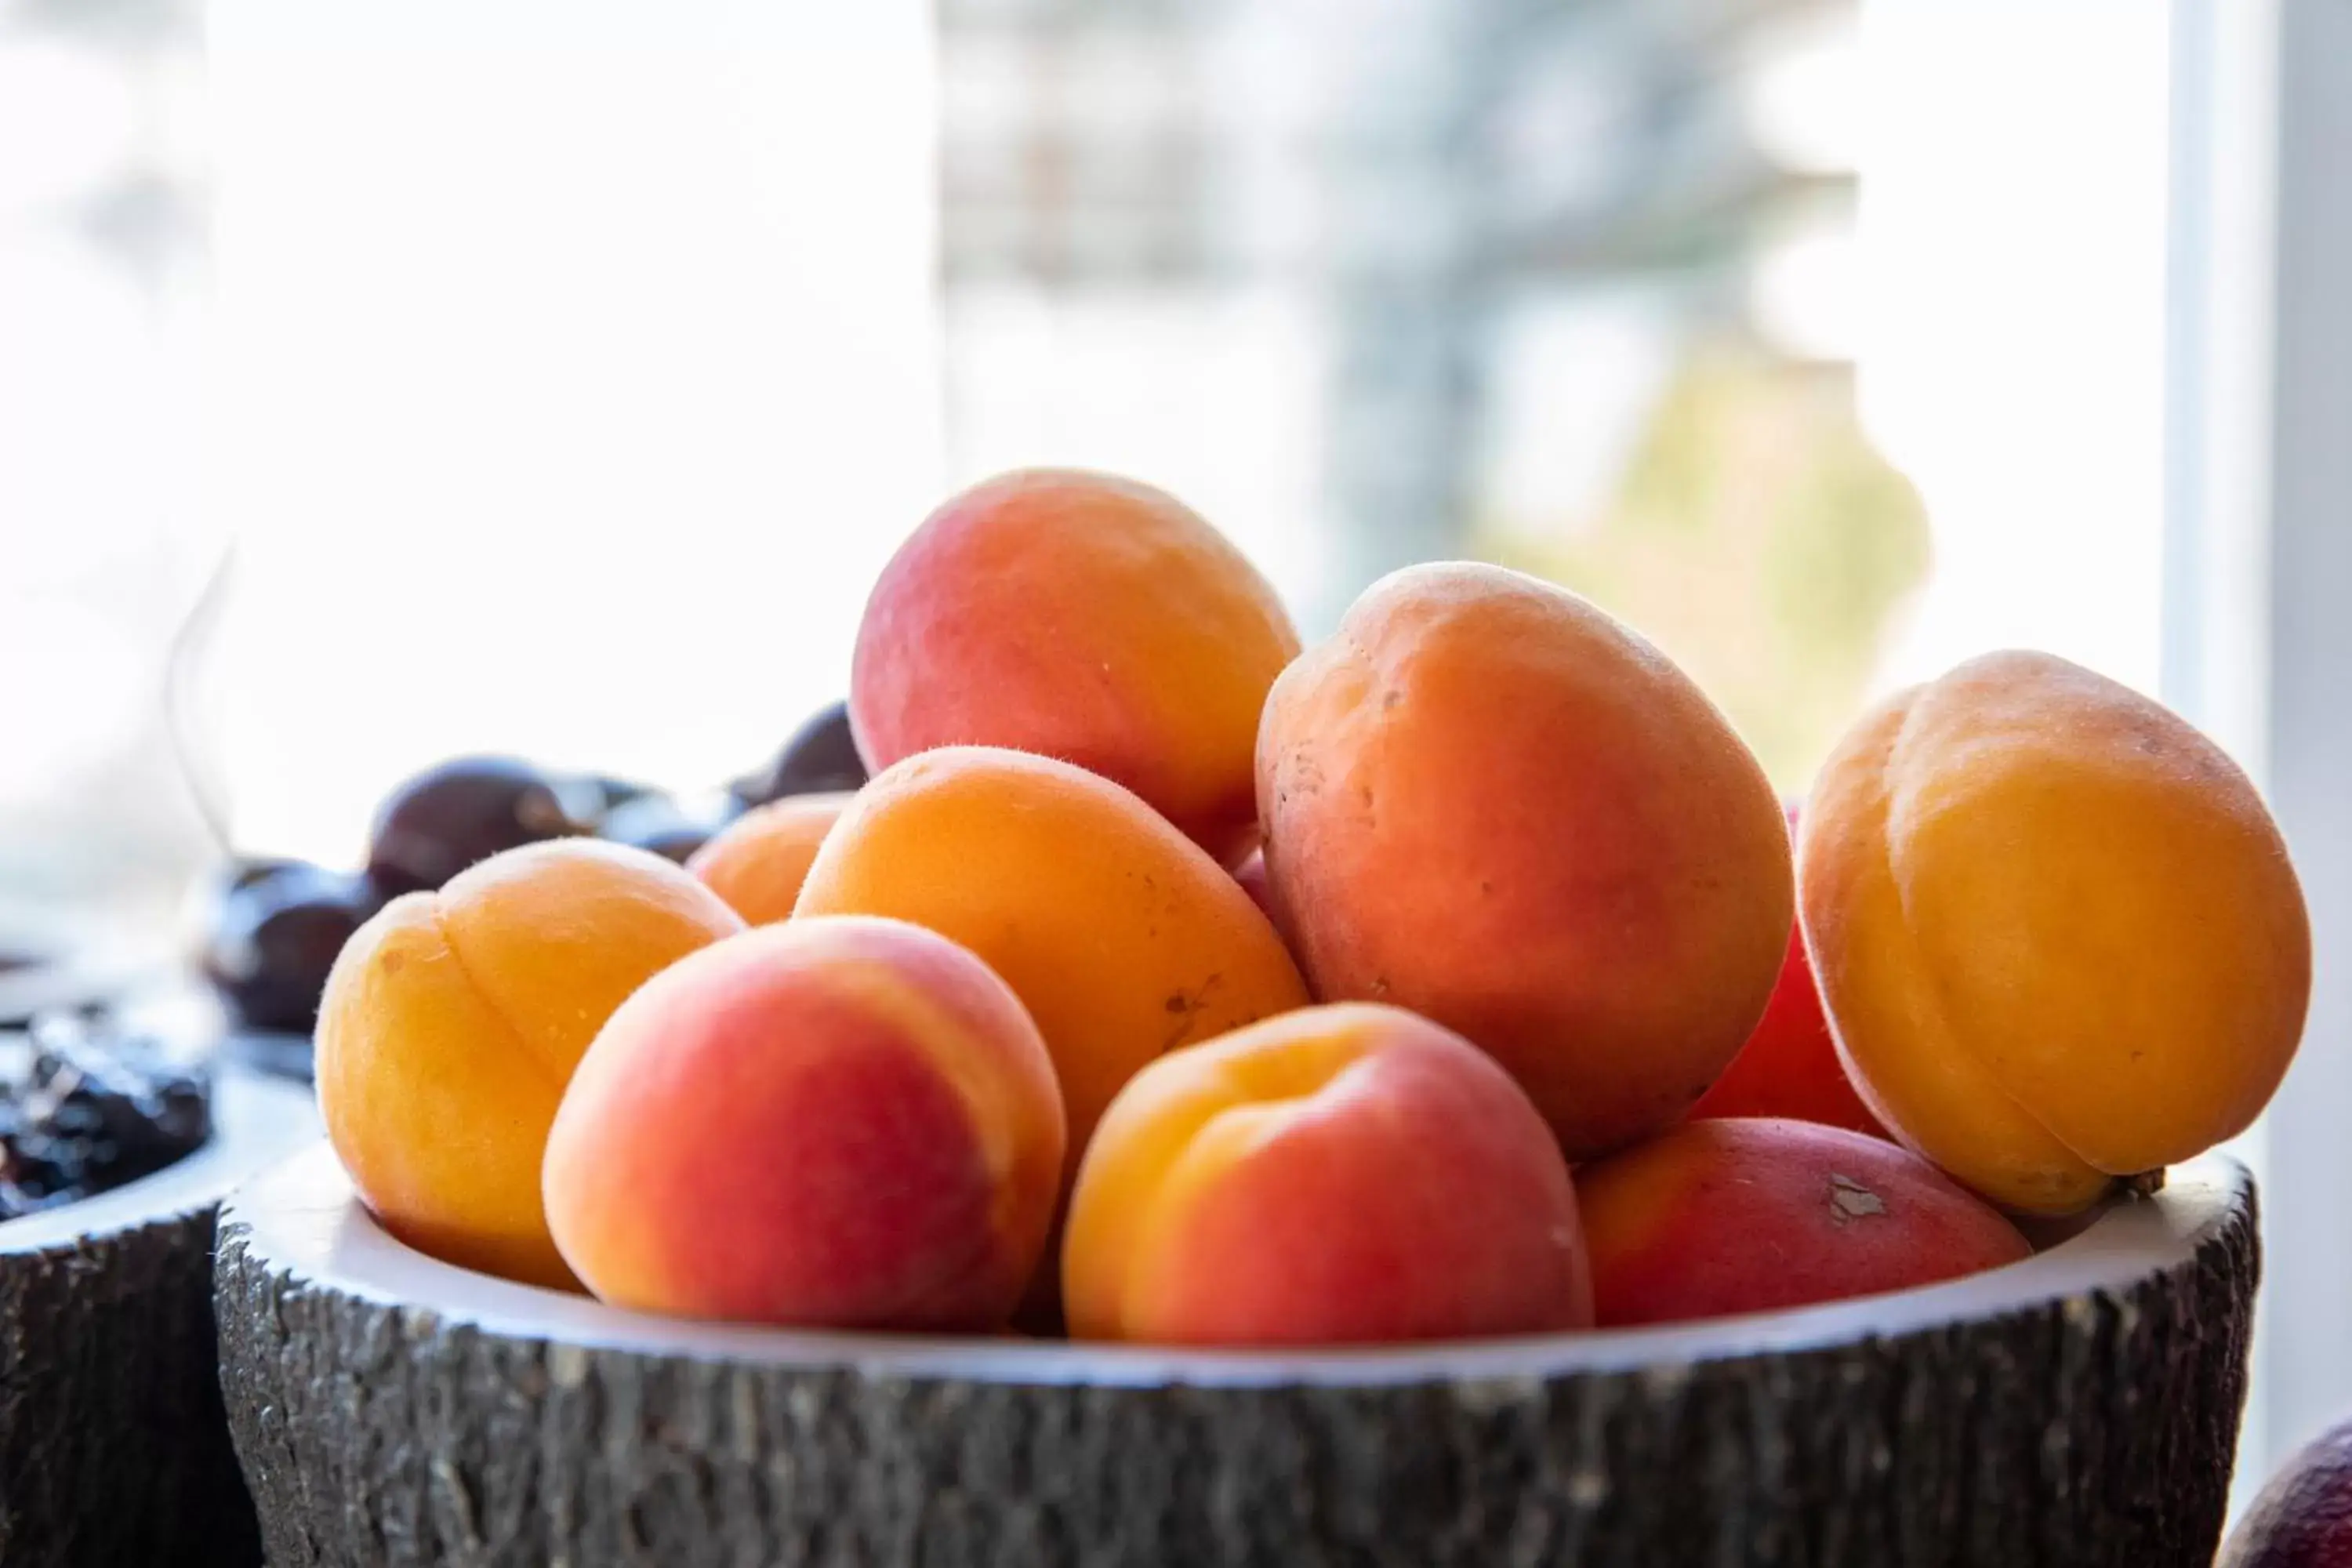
117,1140
1409,1100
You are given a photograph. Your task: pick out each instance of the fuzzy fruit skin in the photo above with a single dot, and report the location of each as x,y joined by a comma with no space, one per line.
1487,801
1337,1176
453,1020
758,862
1083,616
2303,1518
1750,1214
835,1122
2057,932
1119,934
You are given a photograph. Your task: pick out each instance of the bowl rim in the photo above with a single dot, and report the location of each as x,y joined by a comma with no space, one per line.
257,1122
301,1217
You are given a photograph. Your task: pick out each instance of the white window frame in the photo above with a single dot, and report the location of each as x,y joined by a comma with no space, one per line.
2258,590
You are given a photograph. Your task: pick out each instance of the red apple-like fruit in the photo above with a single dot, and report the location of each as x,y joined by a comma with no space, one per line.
1790,1065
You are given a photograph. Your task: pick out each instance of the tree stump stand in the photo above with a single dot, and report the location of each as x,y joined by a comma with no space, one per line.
2078,1408
112,1444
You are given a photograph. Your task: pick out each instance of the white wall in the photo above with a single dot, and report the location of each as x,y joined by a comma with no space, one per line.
2011,237
577,374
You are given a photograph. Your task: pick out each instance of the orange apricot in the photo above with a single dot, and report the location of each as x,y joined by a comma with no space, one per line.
757,861
2057,933
453,1020
838,1123
1081,617
1487,801
1337,1176
1750,1214
1119,934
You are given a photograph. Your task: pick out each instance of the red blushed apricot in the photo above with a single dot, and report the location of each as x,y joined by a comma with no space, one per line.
1487,801
2057,933
1745,1216
1790,1065
1081,617
844,1122
1335,1175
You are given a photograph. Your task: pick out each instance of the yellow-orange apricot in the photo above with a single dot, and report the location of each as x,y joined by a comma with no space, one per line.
1487,801
453,1020
837,1123
757,861
1120,935
2057,933
1340,1175
1081,617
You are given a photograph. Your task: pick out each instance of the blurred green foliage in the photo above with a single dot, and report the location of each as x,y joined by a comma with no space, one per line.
1758,539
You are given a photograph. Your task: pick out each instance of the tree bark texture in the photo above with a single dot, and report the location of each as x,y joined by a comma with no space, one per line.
2086,1429
113,1447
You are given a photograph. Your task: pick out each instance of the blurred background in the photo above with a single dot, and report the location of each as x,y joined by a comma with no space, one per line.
383,381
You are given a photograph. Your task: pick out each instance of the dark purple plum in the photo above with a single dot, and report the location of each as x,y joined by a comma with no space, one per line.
589,798
273,933
243,874
447,818
820,757
612,794
657,823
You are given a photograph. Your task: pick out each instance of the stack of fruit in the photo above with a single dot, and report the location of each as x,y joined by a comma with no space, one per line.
1168,984
269,929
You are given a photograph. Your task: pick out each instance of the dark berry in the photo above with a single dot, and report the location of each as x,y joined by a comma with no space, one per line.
446,818
95,1107
610,794
588,798
820,757
657,823
242,874
273,936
